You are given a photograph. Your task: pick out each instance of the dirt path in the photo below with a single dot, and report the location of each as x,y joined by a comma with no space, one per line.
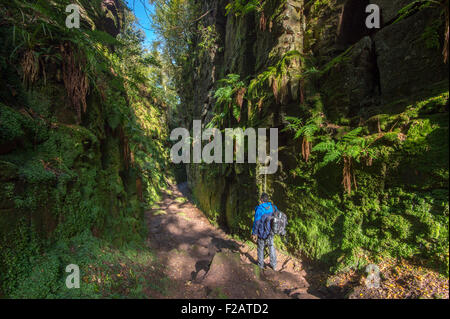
201,261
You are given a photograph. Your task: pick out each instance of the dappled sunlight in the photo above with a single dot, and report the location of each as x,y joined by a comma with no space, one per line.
198,257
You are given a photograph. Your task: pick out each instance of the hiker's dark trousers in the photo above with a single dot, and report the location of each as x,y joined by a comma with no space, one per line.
273,256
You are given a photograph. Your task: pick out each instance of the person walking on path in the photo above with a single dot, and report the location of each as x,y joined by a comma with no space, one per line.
261,231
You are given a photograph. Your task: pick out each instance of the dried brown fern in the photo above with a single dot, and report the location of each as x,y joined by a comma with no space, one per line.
283,90
260,104
447,31
30,67
302,92
306,149
139,189
262,22
240,96
275,89
347,174
75,79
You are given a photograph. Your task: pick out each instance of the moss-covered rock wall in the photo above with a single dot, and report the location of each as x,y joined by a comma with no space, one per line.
390,84
62,172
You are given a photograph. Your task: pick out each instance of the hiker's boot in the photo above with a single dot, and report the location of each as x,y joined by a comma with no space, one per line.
274,268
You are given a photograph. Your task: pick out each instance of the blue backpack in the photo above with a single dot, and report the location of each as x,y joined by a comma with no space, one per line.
265,228
264,225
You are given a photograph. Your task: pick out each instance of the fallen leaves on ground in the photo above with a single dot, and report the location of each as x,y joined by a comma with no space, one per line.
399,279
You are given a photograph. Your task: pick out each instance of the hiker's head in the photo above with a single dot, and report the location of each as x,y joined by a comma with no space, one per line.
264,198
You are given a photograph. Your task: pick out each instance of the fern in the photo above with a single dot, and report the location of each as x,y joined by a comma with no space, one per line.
351,136
311,127
351,147
242,7
273,77
332,156
294,123
326,146
306,131
431,35
229,99
40,25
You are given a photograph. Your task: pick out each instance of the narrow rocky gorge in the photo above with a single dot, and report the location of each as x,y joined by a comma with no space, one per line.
204,262
87,178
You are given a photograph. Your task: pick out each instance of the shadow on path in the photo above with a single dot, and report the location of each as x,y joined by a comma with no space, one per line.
201,261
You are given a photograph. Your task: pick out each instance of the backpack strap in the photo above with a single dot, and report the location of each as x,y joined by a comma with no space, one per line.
274,208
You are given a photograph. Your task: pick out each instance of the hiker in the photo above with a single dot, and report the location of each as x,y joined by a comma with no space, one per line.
261,231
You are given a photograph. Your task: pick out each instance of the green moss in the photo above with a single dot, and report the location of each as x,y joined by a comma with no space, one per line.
400,206
11,124
436,104
60,181
63,180
8,171
105,271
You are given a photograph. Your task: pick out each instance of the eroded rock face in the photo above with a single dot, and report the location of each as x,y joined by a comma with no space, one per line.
407,65
390,9
47,160
352,85
362,74
248,46
352,24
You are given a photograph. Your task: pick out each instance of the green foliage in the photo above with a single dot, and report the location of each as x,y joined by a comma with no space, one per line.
105,271
273,74
229,100
308,130
415,6
76,181
341,233
431,35
45,23
350,145
174,21
382,217
242,7
208,39
11,124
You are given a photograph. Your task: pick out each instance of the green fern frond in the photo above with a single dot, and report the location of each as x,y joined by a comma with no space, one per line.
351,135
242,7
332,156
326,146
